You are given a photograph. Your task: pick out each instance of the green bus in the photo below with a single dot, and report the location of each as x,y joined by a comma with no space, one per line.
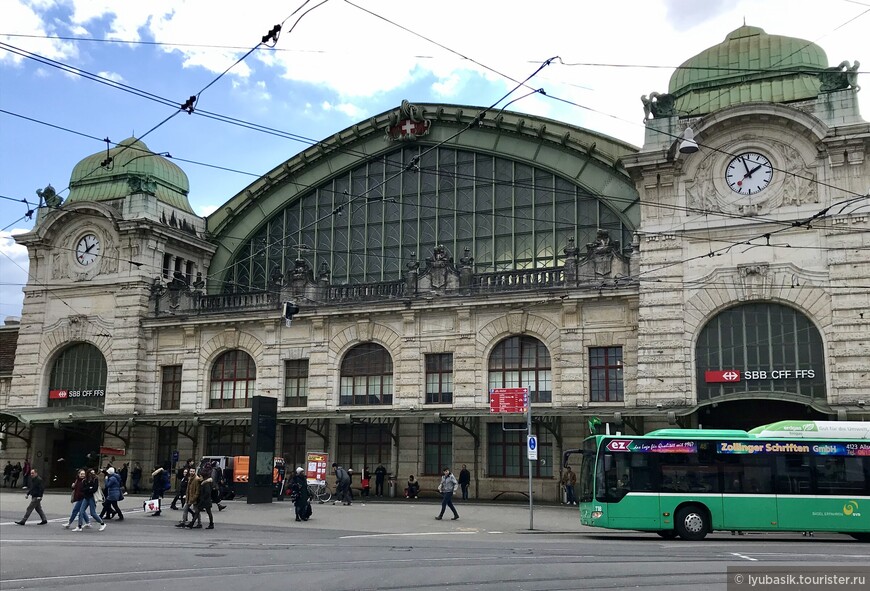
807,476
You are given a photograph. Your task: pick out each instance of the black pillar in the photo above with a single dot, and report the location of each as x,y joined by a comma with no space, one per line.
264,415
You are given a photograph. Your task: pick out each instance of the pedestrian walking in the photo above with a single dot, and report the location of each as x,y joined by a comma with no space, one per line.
299,492
35,493
136,475
114,493
464,481
123,473
159,485
205,503
446,487
16,474
180,489
7,474
91,492
342,485
191,499
380,475
27,469
77,498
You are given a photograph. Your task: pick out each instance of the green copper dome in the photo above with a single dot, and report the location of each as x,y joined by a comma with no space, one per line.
133,169
749,66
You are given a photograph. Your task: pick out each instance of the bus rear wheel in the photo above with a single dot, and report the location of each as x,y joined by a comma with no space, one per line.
691,523
861,537
668,534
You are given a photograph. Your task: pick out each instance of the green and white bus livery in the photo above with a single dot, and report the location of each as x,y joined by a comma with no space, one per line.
788,476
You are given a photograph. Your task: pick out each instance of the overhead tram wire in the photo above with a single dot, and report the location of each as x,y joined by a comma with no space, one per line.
440,208
408,167
272,131
734,70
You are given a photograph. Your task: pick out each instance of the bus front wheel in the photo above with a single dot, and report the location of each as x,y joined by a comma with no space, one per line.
691,523
668,534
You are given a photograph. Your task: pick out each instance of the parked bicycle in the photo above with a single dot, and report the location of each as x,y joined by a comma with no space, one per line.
320,492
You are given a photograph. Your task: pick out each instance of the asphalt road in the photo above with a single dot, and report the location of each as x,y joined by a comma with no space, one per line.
394,544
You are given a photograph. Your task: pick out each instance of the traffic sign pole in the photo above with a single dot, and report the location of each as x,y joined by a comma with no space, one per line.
528,402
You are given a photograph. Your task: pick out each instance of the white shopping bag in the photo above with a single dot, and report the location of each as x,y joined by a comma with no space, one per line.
152,505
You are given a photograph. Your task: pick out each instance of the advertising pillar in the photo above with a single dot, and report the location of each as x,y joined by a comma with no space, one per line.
264,418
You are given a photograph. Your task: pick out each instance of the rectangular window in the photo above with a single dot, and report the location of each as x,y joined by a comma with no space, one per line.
167,442
507,457
437,447
296,383
439,379
605,374
363,446
170,387
293,446
226,440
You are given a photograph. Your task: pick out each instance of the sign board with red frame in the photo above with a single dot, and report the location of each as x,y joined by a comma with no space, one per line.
508,400
316,467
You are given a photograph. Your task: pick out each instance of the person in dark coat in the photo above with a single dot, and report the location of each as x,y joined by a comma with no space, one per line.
27,468
123,472
380,474
158,486
16,474
342,485
181,488
35,493
7,473
464,481
299,490
136,475
204,504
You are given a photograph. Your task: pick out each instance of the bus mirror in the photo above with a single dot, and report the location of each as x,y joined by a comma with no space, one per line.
608,462
567,455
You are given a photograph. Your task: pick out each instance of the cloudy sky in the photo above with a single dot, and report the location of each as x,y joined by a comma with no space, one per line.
73,72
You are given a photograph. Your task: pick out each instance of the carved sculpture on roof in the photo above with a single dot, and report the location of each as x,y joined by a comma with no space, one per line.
49,197
600,255
799,182
840,77
440,273
142,184
408,123
658,105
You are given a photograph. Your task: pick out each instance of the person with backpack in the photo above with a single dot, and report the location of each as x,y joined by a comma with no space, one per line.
342,485
159,485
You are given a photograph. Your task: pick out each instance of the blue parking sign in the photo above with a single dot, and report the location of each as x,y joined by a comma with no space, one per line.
175,456
533,447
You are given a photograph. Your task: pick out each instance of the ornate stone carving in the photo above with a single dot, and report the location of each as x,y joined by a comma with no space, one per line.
516,321
755,280
840,77
49,197
659,105
799,184
141,184
700,191
407,123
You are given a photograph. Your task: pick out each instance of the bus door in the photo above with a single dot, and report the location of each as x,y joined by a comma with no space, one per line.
624,482
748,499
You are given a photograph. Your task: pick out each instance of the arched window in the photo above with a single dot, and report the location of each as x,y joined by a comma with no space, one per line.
366,376
522,362
78,376
760,347
233,377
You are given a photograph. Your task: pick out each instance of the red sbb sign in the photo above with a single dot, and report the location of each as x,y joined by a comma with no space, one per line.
508,400
58,394
722,375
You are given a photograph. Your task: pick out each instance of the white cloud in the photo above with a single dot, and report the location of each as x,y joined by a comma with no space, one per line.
206,210
447,87
13,269
113,76
23,19
350,110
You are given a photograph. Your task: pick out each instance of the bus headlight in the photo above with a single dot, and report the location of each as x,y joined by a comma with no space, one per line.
597,514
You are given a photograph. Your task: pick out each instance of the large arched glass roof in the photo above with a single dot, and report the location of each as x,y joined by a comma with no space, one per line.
367,223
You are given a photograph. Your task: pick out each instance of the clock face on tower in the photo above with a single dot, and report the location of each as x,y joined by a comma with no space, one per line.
87,249
749,173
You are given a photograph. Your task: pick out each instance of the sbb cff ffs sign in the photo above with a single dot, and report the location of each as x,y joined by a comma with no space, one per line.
508,400
732,375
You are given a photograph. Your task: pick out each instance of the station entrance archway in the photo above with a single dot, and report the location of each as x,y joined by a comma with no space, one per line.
748,414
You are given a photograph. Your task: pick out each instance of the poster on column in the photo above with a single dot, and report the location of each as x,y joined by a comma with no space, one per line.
316,467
